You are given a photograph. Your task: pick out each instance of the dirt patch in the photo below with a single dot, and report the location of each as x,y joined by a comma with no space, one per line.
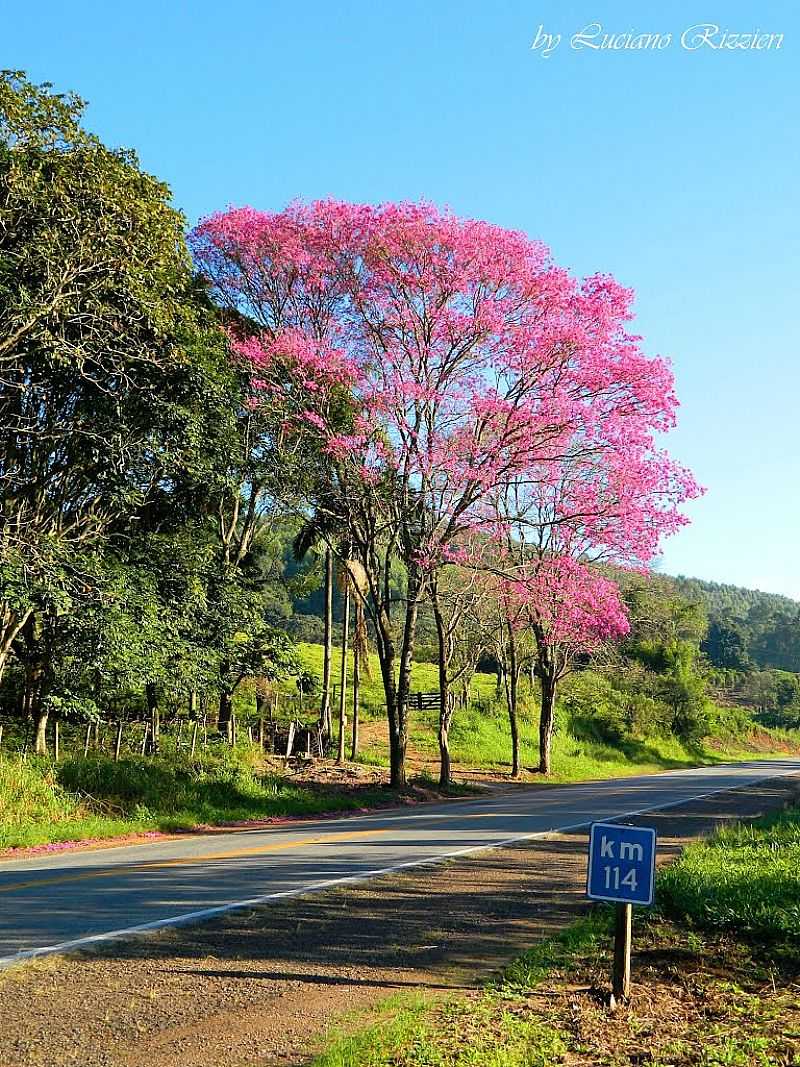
260,988
696,1000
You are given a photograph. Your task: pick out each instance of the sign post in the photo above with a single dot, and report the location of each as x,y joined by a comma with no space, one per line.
621,870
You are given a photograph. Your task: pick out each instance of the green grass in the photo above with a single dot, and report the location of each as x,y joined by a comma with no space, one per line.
471,1032
581,940
479,738
97,798
746,878
485,1029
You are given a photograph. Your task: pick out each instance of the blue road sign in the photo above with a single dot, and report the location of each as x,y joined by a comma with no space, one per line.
622,863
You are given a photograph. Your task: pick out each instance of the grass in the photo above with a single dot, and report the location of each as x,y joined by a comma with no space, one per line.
746,879
95,797
479,739
480,1032
479,736
716,979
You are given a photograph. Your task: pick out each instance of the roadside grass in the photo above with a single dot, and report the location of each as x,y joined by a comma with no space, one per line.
479,735
86,798
95,798
469,1032
745,879
479,740
716,980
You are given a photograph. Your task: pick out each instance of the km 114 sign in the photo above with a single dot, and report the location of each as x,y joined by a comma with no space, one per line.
621,863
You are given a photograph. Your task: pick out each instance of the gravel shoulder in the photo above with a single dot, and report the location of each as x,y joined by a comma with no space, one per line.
262,987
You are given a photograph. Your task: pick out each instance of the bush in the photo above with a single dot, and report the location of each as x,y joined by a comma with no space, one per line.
166,784
593,709
685,695
29,792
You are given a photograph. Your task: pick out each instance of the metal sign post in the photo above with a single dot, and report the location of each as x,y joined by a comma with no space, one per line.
621,870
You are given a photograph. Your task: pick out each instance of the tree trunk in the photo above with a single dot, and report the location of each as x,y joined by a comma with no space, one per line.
10,626
356,697
514,725
395,669
5,654
445,776
327,652
546,724
445,699
262,705
225,715
387,660
41,733
512,691
151,693
192,704
343,676
399,743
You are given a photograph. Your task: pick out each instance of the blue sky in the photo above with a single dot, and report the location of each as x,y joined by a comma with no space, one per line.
675,170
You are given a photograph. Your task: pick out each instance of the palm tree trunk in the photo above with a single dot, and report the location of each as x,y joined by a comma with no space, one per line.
356,697
343,677
327,652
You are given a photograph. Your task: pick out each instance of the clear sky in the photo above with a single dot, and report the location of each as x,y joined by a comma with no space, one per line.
676,170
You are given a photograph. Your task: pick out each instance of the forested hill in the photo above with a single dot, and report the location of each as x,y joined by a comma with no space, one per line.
746,627
733,601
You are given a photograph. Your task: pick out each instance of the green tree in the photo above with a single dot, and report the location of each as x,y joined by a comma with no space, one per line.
726,645
96,313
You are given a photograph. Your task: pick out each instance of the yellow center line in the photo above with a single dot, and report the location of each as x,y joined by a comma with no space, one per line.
155,865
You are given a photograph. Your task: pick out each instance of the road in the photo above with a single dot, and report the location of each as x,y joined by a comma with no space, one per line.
55,903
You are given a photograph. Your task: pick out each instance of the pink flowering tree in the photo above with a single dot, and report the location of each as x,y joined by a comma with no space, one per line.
611,495
436,368
572,612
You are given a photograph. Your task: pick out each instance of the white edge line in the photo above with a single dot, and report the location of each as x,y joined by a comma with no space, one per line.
349,879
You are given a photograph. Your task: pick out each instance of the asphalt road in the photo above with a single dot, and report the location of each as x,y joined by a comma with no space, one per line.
53,903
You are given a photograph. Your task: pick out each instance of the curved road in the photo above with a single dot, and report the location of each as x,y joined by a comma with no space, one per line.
54,903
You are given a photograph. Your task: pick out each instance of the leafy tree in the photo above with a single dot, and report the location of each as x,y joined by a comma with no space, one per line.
726,645
95,310
776,642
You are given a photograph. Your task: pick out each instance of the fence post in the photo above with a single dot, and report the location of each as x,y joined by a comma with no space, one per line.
118,742
194,737
55,740
87,740
290,739
144,738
